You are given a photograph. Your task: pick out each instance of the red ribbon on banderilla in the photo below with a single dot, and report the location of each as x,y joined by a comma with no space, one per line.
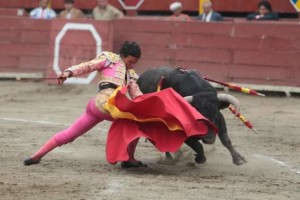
243,90
243,119
236,87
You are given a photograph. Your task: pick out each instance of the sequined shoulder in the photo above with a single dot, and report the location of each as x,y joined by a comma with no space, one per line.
112,57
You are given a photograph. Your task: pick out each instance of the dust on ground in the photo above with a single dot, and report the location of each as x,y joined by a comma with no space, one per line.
30,113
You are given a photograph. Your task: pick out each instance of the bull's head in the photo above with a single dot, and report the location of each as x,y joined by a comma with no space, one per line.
228,99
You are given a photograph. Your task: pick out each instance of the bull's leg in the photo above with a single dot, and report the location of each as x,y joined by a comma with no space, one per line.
168,156
198,148
236,157
209,138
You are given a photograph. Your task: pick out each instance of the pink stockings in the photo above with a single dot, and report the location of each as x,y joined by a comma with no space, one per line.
84,123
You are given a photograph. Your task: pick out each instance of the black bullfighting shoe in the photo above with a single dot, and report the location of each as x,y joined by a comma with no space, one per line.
30,161
132,164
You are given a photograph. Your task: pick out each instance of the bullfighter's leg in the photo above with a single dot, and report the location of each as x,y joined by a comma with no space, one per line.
198,148
236,157
84,123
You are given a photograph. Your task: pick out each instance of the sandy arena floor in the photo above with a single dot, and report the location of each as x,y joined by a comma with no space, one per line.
30,113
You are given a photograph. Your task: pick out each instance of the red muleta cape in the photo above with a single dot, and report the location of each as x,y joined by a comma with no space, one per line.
164,118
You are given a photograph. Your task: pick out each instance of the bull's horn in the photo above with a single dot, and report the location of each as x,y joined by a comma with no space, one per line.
189,99
230,99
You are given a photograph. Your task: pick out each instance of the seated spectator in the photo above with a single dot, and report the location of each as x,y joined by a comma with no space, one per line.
104,11
209,15
70,11
264,12
43,12
176,8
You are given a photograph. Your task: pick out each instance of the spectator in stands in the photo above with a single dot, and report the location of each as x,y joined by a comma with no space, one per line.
70,11
104,11
208,14
177,15
43,12
264,12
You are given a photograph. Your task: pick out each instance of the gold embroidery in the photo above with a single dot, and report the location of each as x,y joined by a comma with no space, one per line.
102,98
112,57
119,76
132,74
118,82
89,66
86,67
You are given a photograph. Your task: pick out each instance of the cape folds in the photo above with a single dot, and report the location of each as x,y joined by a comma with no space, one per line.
164,118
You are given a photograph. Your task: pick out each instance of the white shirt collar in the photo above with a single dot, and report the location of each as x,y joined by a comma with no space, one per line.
207,17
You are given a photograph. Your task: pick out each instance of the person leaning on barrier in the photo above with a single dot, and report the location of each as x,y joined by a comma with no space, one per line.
70,11
264,12
43,12
104,11
177,15
209,15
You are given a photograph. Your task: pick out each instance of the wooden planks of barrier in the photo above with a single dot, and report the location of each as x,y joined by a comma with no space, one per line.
257,53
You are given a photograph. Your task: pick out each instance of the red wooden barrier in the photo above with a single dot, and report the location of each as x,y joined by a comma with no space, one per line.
11,12
24,44
77,46
258,53
249,52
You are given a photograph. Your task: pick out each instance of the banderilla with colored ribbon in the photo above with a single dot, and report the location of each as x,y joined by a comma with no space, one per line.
243,119
39,79
36,79
236,87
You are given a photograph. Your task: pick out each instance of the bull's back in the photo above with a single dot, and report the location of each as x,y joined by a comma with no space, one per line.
184,82
149,80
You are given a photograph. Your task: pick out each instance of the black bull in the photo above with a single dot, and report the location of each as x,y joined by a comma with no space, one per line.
205,100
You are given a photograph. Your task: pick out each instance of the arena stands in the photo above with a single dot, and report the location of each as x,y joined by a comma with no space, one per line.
153,6
263,54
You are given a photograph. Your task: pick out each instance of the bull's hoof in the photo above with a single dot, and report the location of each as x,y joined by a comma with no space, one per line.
30,161
132,164
200,159
240,160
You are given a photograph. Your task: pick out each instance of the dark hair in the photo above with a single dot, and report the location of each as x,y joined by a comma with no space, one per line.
130,49
69,1
266,4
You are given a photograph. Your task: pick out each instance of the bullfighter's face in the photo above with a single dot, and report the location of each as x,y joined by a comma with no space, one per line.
130,61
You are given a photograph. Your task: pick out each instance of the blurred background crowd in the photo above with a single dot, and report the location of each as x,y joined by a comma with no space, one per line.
177,10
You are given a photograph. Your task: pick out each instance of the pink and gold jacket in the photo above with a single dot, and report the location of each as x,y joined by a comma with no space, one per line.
111,67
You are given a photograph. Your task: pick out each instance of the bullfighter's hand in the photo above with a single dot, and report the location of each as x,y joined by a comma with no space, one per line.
63,77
